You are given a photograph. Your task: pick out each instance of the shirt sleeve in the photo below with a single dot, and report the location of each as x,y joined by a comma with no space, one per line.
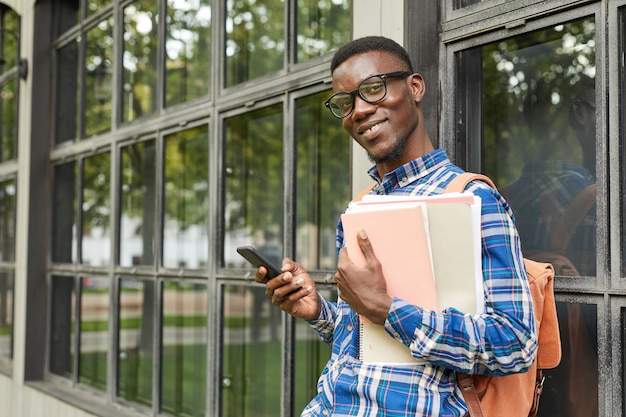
500,341
324,325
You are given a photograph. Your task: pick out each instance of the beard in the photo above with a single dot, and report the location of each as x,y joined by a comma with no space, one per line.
394,153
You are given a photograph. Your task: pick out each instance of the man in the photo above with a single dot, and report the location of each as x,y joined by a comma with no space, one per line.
378,98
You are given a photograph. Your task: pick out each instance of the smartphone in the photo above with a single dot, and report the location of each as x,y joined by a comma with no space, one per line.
257,259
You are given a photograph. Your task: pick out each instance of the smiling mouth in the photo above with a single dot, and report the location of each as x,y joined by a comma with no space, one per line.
371,130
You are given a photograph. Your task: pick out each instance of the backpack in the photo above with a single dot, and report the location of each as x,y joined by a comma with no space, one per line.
518,394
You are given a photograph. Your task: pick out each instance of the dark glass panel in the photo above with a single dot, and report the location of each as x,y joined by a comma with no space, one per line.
9,39
96,209
186,199
66,111
6,315
323,26
98,79
8,113
7,220
254,183
138,204
94,334
187,49
323,181
64,212
251,352
184,352
140,59
136,340
62,326
255,39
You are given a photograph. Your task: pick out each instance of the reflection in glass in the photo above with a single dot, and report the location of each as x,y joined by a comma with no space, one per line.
184,349
254,182
6,316
135,348
8,128
539,130
94,6
94,335
9,37
571,389
137,204
255,39
186,199
323,185
62,326
139,59
251,353
323,26
64,210
311,354
537,122
7,221
187,49
98,80
66,112
96,209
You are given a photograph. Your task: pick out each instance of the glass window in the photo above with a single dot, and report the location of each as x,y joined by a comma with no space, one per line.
6,315
64,212
9,53
254,184
186,199
184,351
99,68
141,42
94,6
136,344
66,111
255,39
323,155
322,26
94,334
138,204
251,352
62,326
187,48
7,220
537,122
96,210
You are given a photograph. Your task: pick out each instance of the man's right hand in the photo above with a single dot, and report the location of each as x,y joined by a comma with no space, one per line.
293,291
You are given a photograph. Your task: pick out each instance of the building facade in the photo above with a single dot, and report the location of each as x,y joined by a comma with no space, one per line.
142,141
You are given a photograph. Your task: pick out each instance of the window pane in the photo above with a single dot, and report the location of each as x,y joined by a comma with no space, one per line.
188,48
8,115
323,181
94,335
96,236
66,111
186,199
255,36
539,138
94,6
64,209
323,26
254,182
140,59
251,353
6,315
183,382
9,38
98,87
136,340
7,221
571,389
311,354
137,204
62,326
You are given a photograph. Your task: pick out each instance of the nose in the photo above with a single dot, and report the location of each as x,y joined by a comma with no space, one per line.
361,108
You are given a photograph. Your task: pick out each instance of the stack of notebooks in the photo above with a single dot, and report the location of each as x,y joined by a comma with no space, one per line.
430,252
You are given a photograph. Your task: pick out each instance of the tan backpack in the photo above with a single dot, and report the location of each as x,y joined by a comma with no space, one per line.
517,394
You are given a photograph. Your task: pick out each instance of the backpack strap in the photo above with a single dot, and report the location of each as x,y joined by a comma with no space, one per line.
459,182
363,192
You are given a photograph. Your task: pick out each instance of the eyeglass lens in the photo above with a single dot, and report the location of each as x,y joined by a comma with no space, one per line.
371,89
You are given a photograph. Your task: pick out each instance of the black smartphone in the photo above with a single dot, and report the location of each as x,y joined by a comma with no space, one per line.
257,259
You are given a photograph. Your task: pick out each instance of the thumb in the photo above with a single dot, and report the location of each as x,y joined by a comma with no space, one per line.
365,245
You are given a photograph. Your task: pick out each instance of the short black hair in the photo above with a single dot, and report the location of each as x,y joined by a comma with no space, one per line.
367,44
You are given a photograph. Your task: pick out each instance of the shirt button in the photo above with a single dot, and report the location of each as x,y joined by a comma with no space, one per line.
325,412
350,328
396,335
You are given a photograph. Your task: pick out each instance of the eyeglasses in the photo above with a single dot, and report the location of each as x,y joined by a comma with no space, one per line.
372,89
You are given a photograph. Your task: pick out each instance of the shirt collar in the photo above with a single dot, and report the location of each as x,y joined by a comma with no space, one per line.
409,172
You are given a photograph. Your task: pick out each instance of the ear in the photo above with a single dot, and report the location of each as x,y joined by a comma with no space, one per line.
417,87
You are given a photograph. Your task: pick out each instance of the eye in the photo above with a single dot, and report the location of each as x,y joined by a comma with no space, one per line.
343,102
372,88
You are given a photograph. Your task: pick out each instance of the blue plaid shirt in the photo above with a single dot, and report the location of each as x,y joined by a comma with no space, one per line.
499,342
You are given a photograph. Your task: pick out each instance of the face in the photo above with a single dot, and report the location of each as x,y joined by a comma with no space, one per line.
389,130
